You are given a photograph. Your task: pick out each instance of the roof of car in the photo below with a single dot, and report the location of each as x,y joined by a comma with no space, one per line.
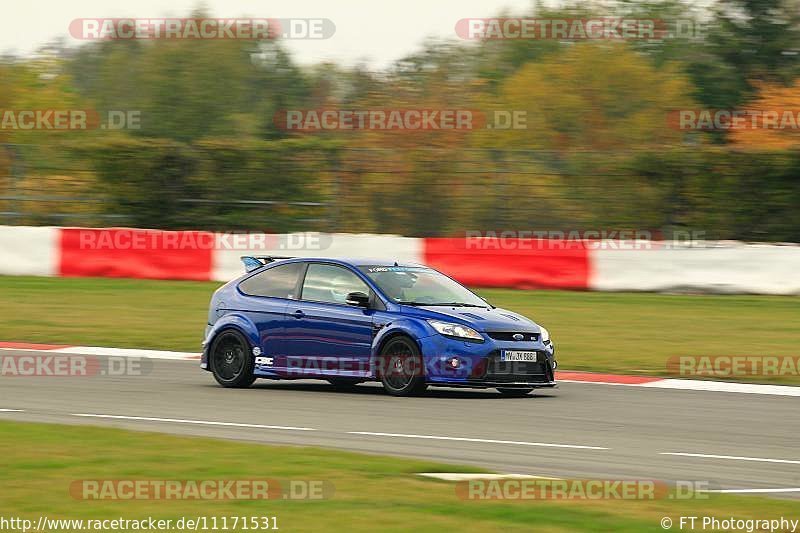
356,261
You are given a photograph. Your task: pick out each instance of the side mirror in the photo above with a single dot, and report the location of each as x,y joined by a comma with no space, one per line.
358,299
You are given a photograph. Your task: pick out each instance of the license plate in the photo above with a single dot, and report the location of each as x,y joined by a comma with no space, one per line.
514,356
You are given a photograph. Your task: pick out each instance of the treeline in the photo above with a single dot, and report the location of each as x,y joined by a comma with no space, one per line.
600,148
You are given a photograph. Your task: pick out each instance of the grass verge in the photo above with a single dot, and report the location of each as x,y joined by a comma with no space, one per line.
40,461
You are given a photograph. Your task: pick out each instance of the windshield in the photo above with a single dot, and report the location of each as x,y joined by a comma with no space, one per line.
421,286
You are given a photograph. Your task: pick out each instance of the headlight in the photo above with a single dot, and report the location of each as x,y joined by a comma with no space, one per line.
455,330
545,335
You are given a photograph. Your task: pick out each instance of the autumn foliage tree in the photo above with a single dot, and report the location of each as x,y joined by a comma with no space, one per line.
589,143
591,97
777,125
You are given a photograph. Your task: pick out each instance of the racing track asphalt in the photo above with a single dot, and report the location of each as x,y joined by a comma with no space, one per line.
739,441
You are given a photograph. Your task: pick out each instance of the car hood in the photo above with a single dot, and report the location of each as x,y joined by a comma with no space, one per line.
480,318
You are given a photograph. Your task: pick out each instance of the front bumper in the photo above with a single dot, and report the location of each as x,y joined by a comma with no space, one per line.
479,364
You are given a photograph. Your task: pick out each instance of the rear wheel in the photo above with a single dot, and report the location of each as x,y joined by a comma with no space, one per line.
231,361
401,369
515,393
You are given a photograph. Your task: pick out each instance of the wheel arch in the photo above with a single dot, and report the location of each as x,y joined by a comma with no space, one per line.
384,339
235,322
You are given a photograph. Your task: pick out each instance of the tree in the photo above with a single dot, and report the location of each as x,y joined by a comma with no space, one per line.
784,104
747,41
188,90
592,96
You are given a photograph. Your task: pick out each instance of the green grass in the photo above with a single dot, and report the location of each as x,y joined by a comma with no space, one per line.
371,492
614,332
125,313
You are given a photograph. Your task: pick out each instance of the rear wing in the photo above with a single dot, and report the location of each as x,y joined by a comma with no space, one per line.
253,262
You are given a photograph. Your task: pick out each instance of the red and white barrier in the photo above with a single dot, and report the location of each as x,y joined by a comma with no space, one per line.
732,267
135,253
194,255
552,264
29,251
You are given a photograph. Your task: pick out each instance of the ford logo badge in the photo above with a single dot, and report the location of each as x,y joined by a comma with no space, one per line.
518,336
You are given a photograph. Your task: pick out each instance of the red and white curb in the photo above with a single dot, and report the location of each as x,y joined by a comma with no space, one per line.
677,384
98,350
597,378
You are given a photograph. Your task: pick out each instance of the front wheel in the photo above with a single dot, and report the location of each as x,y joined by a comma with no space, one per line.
231,361
401,369
515,393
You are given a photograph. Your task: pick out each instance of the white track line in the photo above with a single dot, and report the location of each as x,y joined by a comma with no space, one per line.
197,422
12,411
487,441
733,457
753,491
127,352
458,476
109,352
723,386
581,381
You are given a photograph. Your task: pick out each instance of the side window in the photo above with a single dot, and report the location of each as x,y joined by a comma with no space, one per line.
331,284
278,282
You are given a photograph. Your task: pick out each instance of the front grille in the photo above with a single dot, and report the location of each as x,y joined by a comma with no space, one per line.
513,371
509,336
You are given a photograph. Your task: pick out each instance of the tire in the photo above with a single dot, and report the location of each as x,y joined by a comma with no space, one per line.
231,360
401,369
515,393
344,384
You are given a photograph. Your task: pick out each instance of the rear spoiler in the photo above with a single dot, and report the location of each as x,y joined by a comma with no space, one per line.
253,262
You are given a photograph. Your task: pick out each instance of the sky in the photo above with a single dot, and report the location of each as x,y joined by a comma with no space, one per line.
375,32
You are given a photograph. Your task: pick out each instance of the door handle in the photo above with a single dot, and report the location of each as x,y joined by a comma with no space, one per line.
298,314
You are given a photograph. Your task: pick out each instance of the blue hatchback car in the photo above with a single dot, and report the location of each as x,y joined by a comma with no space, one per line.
350,321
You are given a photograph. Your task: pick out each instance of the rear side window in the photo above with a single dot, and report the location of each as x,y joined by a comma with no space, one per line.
331,284
277,282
